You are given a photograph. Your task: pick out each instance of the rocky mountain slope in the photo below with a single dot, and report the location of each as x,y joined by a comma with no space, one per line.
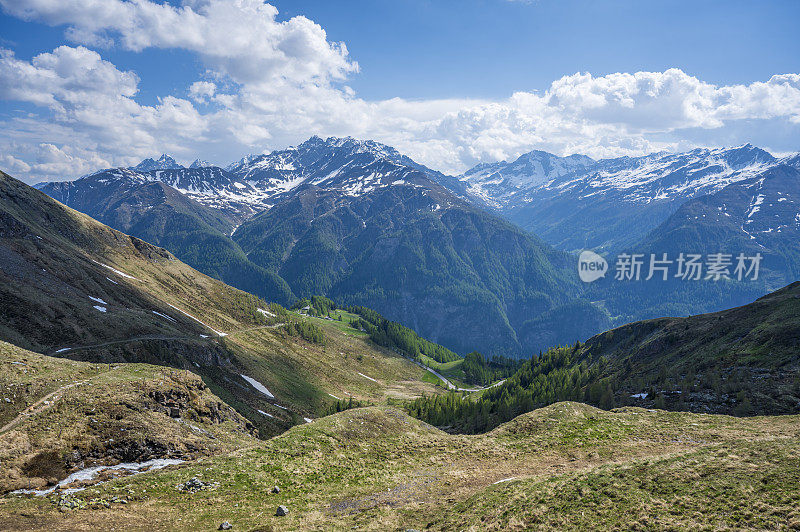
58,416
73,287
162,215
755,219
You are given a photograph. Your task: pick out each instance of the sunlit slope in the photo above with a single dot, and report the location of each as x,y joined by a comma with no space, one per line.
59,415
377,468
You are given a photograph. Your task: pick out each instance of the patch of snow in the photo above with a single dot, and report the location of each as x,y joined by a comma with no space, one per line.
98,300
258,386
63,349
509,479
639,395
170,318
101,309
307,419
198,321
266,312
370,378
754,207
334,397
266,414
122,274
112,280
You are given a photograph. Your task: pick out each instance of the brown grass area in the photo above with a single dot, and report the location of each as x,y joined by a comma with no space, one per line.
378,469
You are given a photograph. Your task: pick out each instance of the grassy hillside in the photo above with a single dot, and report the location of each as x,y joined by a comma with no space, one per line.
742,361
376,468
58,415
74,287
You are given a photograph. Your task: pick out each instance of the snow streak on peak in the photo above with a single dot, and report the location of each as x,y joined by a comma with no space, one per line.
165,162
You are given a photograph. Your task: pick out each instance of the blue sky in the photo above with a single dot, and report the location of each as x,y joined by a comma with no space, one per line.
490,48
434,78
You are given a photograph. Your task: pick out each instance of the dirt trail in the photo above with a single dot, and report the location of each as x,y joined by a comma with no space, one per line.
39,405
157,337
124,341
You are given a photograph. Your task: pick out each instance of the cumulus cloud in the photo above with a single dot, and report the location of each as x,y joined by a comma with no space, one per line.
272,83
202,91
239,38
91,109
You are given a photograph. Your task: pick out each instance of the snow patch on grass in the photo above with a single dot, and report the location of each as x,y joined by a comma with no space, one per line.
122,274
170,318
257,385
91,472
198,321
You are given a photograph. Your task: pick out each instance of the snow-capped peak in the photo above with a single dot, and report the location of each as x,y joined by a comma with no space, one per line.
165,162
494,182
344,163
200,164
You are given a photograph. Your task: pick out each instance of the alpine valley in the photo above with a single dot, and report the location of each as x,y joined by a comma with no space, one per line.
482,260
140,393
169,400
507,265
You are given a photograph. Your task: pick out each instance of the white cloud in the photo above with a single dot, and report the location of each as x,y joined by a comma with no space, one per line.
202,91
91,110
238,38
276,83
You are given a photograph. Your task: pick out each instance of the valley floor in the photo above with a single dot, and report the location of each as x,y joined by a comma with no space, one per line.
567,466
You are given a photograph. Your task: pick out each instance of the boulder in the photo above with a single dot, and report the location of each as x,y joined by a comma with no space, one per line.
282,510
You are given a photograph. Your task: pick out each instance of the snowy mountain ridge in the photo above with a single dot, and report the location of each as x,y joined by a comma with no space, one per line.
533,181
643,179
256,182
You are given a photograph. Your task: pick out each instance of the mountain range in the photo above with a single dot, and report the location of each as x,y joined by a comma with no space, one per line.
577,203
360,222
355,221
169,365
